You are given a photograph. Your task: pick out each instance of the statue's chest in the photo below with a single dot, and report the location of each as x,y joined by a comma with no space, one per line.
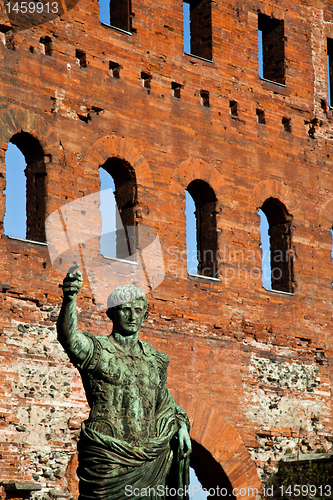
126,370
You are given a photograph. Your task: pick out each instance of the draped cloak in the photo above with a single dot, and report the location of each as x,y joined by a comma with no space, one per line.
146,464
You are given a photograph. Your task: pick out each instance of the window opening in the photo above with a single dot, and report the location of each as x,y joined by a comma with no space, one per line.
204,94
271,40
176,88
266,253
146,80
116,13
330,70
286,122
108,210
197,31
15,220
104,11
191,235
114,69
233,108
81,58
206,236
34,187
260,116
45,44
124,179
281,253
260,59
186,28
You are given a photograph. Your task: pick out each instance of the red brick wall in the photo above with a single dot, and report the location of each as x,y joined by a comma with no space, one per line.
259,360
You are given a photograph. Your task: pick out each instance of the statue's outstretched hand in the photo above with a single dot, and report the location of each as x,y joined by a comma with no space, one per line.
185,446
72,283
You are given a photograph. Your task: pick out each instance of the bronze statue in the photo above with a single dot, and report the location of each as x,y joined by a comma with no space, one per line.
135,443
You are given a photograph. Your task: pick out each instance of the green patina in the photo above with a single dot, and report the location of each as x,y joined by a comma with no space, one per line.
136,436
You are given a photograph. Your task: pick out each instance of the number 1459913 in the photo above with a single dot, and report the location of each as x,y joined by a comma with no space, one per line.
32,7
305,490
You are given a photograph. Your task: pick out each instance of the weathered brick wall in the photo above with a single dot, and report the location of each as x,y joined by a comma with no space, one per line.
251,366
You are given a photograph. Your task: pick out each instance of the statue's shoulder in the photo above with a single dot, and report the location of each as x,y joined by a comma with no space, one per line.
161,358
102,341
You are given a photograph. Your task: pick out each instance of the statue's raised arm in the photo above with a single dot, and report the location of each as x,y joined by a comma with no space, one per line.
76,344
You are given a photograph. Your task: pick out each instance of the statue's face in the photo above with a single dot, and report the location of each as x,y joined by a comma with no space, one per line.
129,317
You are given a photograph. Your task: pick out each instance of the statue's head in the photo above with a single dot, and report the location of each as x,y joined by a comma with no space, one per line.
127,308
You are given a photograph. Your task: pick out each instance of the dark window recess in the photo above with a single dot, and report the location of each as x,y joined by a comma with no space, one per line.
204,94
233,108
200,28
121,14
114,69
281,253
81,58
36,185
176,88
45,44
286,122
330,70
146,80
273,56
260,116
126,198
205,212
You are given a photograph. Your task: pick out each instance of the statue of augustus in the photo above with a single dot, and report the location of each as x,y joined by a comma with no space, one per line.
135,443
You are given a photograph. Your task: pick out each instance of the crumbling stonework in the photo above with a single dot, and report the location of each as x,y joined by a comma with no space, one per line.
252,367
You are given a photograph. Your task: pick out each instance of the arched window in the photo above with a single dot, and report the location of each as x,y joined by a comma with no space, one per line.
35,189
125,196
206,237
281,253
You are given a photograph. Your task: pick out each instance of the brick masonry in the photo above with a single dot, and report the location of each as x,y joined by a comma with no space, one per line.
252,367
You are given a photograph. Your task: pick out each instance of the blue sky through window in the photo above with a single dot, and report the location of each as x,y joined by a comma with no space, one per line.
266,252
186,28
329,82
191,235
15,220
108,209
104,13
260,55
